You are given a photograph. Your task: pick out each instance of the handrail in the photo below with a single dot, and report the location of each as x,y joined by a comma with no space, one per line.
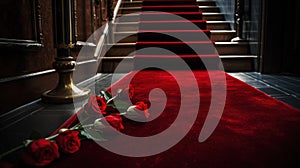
106,31
116,10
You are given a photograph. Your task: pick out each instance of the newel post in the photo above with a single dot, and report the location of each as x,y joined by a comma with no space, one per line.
65,32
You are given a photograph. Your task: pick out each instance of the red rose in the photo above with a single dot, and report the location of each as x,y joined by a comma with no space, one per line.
95,105
68,141
143,107
40,153
138,112
115,121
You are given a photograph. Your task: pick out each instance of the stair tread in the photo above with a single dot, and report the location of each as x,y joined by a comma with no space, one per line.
205,0
204,6
222,31
184,55
232,43
121,44
128,2
219,21
117,57
124,23
131,7
238,56
126,32
212,13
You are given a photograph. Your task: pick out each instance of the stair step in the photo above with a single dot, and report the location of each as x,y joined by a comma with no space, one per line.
110,64
222,35
170,15
179,48
132,36
174,35
209,9
120,49
206,2
129,10
126,26
175,62
132,4
231,63
164,2
223,48
173,25
210,16
130,0
125,37
133,17
218,25
232,48
172,8
239,63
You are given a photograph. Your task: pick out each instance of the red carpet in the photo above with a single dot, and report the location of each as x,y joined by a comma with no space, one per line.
255,130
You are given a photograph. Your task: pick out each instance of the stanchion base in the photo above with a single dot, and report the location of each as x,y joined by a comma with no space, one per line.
65,95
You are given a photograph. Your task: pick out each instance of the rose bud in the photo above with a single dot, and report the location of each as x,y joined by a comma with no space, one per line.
138,112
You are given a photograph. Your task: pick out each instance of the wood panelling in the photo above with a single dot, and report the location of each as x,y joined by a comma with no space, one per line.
26,15
26,70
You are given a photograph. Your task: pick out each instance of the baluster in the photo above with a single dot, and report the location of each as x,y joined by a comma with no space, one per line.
239,12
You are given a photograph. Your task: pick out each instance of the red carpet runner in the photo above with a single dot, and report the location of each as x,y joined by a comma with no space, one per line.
255,130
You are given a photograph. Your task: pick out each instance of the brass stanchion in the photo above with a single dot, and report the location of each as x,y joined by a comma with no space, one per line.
65,39
239,11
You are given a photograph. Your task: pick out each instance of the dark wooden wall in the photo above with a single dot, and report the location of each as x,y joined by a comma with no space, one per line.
280,39
27,48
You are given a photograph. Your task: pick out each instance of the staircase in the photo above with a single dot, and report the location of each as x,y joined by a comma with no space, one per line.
235,56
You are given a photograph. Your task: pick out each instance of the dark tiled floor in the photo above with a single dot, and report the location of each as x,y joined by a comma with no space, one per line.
39,118
284,88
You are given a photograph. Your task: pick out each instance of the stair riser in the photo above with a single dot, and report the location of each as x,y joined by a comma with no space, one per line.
207,3
148,17
172,26
236,49
178,49
128,18
149,3
229,65
130,10
179,9
222,36
110,65
124,38
239,65
218,26
175,36
213,9
133,4
120,50
213,17
126,27
195,63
